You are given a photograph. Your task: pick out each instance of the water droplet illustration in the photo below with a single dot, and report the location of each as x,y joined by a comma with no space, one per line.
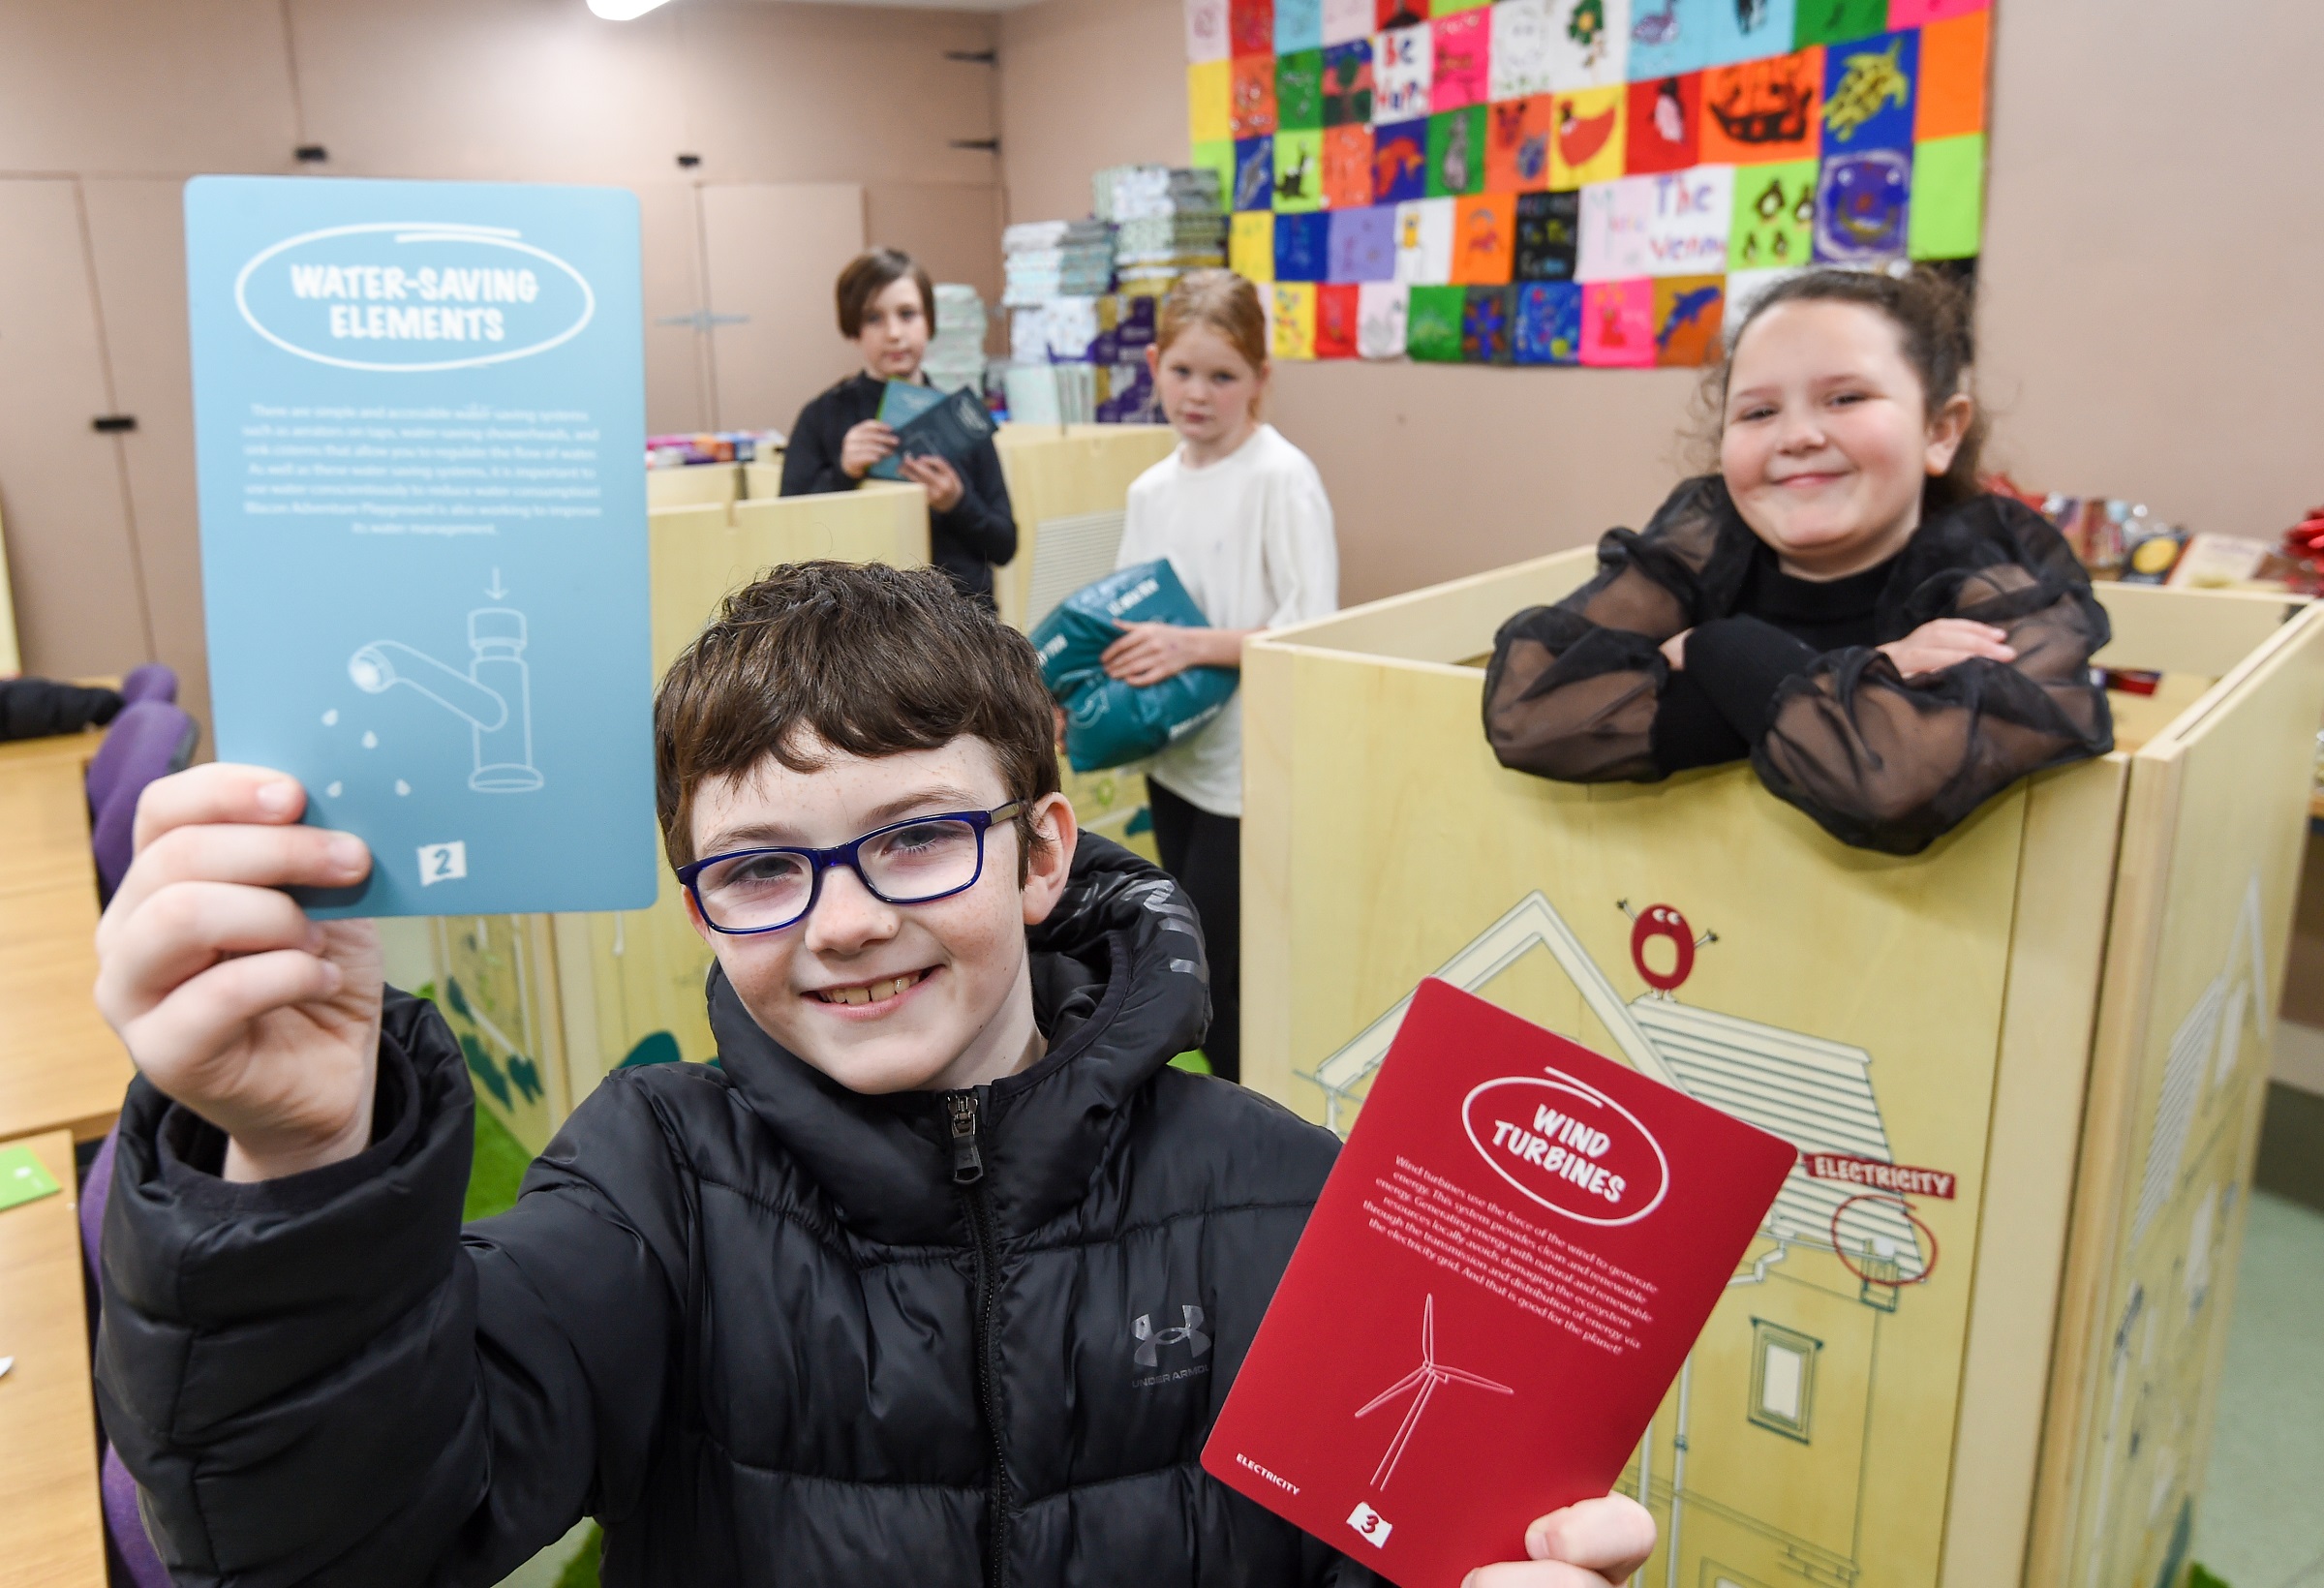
371,740
330,719
332,789
402,787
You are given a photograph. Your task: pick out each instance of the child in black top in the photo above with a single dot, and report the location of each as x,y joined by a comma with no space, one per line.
888,309
1840,603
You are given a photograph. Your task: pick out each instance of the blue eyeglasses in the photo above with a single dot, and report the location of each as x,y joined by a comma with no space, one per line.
913,862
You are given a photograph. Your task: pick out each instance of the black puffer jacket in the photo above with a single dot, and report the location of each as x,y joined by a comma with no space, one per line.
748,1320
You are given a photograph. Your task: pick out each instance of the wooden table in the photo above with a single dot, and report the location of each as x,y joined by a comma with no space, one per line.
61,1067
52,1527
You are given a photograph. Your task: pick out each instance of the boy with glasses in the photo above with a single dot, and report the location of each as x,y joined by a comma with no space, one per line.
940,1278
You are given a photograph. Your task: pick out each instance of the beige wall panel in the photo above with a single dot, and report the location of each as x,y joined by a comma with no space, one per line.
498,90
134,86
1085,84
772,252
953,231
81,607
137,237
2217,426
806,93
676,361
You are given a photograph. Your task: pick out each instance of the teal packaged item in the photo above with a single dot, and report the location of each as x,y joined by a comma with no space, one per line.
1110,724
900,404
929,423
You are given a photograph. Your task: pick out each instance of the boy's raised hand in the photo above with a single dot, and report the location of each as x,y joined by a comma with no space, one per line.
228,997
1596,1544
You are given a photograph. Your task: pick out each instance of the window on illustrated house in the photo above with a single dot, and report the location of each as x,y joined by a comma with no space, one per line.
1782,1378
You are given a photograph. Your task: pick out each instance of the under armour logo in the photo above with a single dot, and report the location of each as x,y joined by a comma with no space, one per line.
1150,1343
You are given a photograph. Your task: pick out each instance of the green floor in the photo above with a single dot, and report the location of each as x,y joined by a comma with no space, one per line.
2260,1522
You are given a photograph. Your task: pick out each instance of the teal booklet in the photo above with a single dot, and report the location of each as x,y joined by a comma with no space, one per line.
419,427
928,422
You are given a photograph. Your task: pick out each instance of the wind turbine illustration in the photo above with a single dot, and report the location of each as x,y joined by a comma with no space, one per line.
1424,1379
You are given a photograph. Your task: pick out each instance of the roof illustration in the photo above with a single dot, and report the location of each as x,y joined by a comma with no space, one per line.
1814,1093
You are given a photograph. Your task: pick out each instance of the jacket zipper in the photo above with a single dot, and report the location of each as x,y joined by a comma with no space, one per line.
969,1173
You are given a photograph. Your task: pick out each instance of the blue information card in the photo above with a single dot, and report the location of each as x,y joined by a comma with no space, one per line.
419,419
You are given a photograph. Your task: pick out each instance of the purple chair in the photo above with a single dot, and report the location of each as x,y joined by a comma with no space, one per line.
151,739
123,1525
151,682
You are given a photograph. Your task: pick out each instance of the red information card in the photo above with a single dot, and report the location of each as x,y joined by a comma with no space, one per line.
1515,1251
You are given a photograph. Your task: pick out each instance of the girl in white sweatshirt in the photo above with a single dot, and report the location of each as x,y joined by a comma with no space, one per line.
1241,516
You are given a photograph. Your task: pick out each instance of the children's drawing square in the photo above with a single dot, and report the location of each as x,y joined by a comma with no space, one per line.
1868,93
1299,170
1689,219
1836,21
1251,245
1456,152
1548,235
1337,313
1291,319
1548,324
1383,309
1516,150
1862,204
1348,84
1687,317
1402,66
1347,166
1589,43
1775,217
1585,137
1364,245
1948,197
1254,103
1211,100
1400,162
1302,247
1300,90
1432,336
1520,50
1461,46
1346,19
1207,30
1299,25
1251,27
1932,13
1486,316
1617,323
1254,173
1485,236
1952,78
1424,242
1615,218
1662,131
1763,111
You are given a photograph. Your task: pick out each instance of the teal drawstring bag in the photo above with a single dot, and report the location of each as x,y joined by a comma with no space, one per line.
1110,724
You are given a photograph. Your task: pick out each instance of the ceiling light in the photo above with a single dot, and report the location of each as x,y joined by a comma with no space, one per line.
622,11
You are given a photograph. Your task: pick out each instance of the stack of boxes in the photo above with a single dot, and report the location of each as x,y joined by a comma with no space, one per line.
956,354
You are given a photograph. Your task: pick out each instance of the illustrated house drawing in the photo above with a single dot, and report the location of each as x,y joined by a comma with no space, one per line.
1814,1093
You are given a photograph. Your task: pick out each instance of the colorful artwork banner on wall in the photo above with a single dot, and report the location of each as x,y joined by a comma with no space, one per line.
1596,182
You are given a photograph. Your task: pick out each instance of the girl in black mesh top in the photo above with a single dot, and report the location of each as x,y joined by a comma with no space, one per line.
1840,603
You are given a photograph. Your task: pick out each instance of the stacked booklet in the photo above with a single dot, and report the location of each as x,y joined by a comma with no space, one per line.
1045,260
956,354
1166,223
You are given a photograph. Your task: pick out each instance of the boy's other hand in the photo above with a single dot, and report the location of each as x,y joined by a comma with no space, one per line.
1675,650
1597,1544
1942,642
228,997
864,445
938,478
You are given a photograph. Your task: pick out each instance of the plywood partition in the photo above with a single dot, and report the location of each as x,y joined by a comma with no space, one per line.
1065,471
692,486
2001,1011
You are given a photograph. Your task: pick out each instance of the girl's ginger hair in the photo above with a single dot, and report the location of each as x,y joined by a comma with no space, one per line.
1221,301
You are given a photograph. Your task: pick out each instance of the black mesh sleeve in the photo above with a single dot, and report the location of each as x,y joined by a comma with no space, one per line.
1892,763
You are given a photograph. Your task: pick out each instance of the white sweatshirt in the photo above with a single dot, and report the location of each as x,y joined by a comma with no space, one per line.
1250,538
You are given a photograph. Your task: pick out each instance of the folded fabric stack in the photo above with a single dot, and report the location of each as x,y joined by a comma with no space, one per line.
956,354
1167,222
1045,260
1052,393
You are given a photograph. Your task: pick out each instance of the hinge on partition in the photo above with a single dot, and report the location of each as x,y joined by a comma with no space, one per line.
113,424
991,145
975,57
